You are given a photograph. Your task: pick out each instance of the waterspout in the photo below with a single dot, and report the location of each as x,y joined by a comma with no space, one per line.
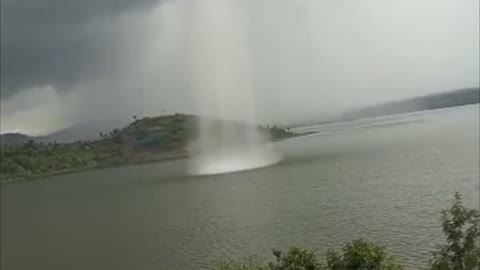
220,74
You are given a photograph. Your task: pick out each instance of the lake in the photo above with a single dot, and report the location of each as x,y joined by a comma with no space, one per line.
383,179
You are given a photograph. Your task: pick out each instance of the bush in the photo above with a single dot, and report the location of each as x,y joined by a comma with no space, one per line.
460,252
361,255
296,258
356,255
461,228
251,263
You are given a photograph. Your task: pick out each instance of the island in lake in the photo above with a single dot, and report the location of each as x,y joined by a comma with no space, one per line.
144,140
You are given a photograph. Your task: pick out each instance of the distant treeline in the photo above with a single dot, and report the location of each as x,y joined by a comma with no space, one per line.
434,101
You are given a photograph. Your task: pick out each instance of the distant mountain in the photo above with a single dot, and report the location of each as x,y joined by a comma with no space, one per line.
81,132
429,102
13,138
84,131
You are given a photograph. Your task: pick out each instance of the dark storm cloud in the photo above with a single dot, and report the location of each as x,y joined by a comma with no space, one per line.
59,42
307,59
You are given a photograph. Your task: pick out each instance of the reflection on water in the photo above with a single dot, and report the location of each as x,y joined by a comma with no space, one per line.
383,184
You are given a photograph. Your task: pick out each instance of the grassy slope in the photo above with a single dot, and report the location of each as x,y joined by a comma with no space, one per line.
147,139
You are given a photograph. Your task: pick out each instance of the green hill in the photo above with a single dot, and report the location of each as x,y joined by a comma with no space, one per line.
144,140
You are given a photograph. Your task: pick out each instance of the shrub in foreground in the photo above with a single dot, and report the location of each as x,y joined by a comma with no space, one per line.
356,255
296,258
462,248
363,255
251,263
461,227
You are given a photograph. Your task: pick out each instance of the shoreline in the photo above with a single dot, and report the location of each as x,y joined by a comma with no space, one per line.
155,158
85,169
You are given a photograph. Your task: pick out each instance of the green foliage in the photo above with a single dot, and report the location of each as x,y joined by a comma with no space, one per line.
296,258
461,228
143,140
460,252
356,255
251,263
361,255
33,159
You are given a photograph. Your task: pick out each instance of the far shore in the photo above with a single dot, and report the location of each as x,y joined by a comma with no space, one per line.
154,159
160,157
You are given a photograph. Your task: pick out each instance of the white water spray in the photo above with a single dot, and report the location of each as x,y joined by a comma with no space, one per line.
220,75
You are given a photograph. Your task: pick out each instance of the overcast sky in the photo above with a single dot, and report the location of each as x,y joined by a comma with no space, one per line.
68,61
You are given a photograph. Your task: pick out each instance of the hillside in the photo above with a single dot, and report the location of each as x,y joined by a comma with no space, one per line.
429,102
13,138
85,131
144,140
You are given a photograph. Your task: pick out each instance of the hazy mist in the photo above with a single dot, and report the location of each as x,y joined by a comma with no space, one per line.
64,63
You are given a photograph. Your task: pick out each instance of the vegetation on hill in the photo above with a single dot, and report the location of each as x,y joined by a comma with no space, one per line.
147,139
461,250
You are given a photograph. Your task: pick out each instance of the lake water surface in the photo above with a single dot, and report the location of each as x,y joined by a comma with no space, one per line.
384,179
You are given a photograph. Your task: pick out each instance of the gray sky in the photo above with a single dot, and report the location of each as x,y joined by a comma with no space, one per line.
67,61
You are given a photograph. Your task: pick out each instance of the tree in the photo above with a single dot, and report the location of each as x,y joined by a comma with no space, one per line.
251,263
355,255
361,255
296,258
461,228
